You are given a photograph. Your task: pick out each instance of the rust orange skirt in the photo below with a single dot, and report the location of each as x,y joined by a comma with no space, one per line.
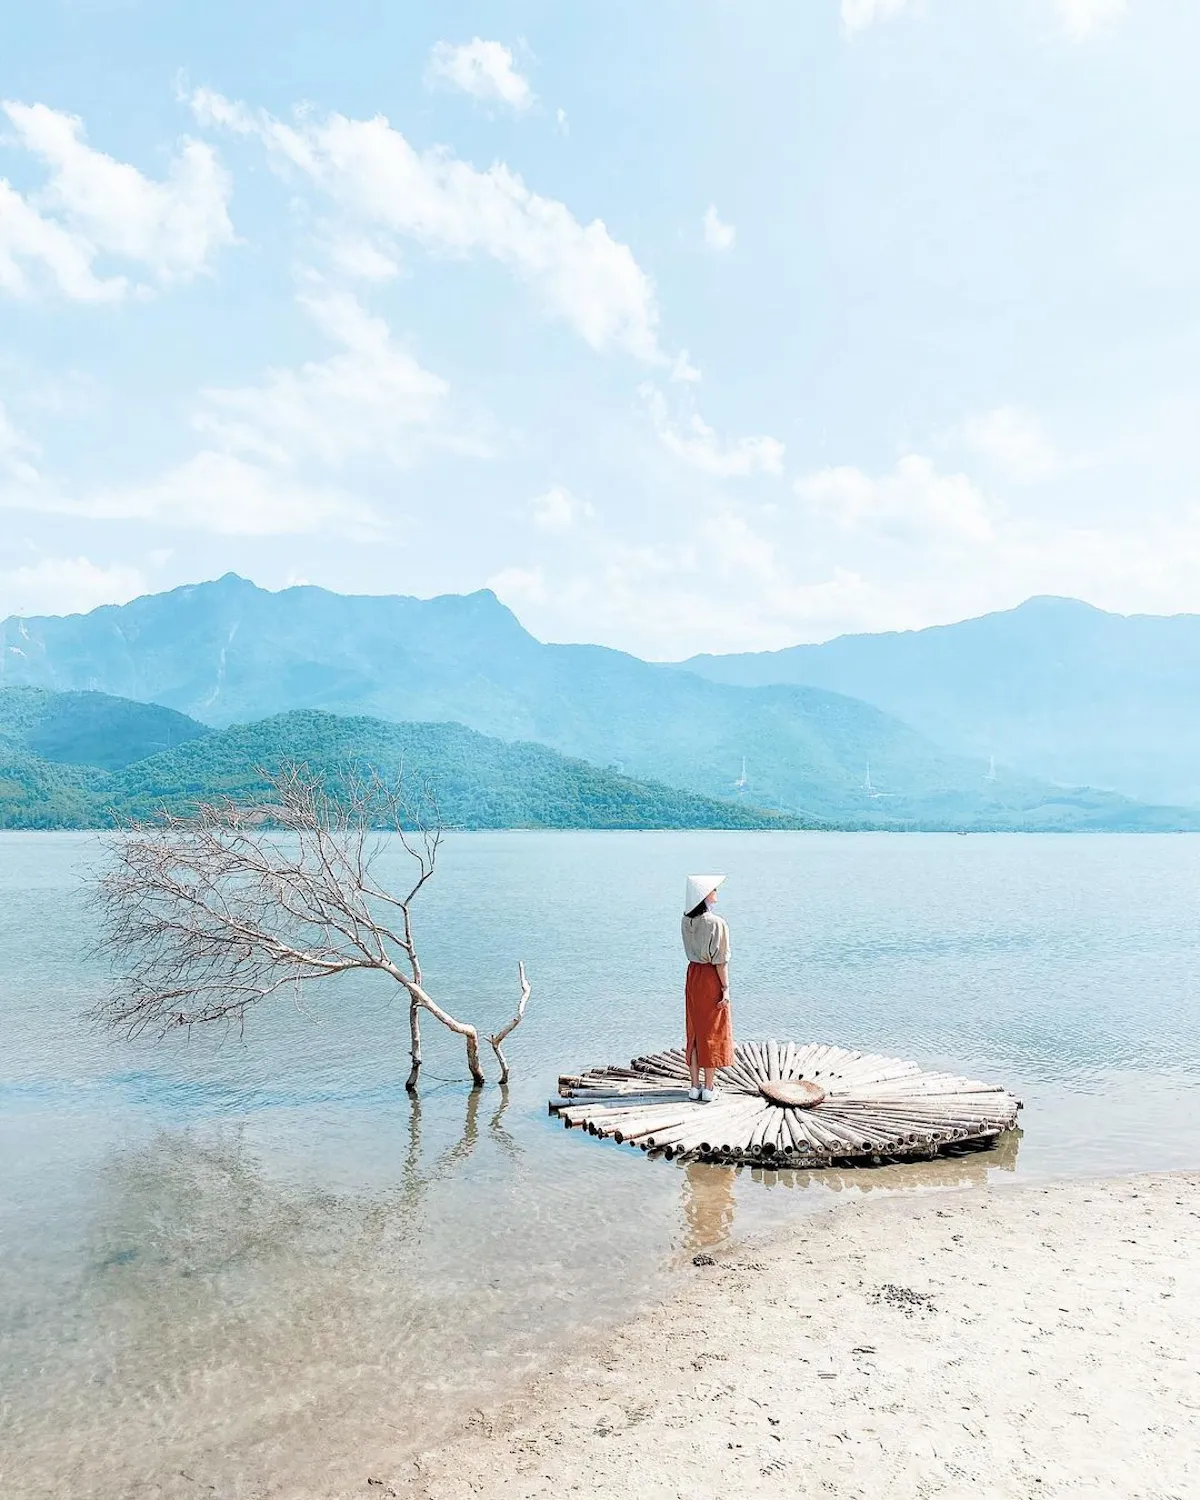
709,1023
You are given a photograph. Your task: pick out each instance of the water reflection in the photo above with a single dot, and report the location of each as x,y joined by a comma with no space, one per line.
709,1205
966,1166
416,1177
719,1204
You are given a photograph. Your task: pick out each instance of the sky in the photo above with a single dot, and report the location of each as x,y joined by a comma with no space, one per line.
706,325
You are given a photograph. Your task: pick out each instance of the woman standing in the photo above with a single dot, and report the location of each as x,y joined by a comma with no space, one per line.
709,1023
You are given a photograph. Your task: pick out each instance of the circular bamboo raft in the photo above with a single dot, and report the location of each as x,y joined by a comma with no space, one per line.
796,1104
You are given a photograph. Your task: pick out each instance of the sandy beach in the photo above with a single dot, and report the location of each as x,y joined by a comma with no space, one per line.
996,1343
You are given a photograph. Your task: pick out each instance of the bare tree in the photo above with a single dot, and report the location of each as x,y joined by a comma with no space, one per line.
208,913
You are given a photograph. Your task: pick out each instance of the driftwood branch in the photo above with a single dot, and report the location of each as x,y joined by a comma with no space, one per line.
208,913
512,1025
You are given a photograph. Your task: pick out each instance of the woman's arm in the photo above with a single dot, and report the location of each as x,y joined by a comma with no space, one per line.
720,958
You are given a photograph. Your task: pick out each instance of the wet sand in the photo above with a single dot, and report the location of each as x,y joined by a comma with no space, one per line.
996,1343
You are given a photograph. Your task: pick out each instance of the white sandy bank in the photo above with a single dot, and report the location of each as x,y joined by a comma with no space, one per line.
996,1344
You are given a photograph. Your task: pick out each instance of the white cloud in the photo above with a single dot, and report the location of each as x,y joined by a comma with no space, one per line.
66,585
482,69
683,370
558,510
357,257
738,550
224,493
560,120
275,451
93,206
211,491
717,236
859,14
912,547
519,585
29,240
370,399
912,503
697,445
1012,440
371,171
732,592
1080,18
16,452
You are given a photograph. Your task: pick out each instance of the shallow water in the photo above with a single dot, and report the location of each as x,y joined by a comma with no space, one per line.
250,1263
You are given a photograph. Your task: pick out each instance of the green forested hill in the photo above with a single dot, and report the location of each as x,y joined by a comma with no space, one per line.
36,793
89,728
479,782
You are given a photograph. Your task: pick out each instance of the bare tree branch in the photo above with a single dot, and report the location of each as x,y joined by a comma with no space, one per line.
512,1025
205,915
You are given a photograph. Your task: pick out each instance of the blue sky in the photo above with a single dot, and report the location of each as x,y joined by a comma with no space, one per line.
685,326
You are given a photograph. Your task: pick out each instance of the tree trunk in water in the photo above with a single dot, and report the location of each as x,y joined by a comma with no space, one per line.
477,1078
414,1025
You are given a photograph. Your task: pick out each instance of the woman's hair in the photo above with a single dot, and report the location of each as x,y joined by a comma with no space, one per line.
698,911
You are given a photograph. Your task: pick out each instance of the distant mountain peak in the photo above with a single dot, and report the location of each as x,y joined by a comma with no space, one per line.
1046,603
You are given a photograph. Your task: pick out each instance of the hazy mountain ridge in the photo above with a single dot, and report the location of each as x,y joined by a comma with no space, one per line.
1055,686
228,651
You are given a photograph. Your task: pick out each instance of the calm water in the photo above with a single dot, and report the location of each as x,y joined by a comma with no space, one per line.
248,1266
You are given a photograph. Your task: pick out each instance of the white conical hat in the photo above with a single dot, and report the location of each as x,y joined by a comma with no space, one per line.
698,887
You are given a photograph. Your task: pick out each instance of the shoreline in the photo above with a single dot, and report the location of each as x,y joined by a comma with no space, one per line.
993,1342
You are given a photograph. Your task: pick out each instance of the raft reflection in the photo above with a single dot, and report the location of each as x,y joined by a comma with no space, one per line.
965,1167
719,1202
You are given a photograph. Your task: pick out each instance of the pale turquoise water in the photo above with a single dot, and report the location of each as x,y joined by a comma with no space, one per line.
246,1262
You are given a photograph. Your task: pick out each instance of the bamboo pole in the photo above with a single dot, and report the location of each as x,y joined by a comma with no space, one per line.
741,1127
673,1063
804,1144
761,1126
803,1054
647,1130
932,1108
831,1143
743,1074
602,1102
860,1141
816,1063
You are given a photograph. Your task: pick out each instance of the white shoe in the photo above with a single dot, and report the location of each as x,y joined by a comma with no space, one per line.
695,1095
707,1096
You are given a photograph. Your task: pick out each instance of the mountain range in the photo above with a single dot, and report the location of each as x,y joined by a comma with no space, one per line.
1056,687
227,652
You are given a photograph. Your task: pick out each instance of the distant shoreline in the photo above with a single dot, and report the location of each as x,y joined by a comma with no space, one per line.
931,831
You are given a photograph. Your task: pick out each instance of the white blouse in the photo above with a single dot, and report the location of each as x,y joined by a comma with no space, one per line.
706,938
